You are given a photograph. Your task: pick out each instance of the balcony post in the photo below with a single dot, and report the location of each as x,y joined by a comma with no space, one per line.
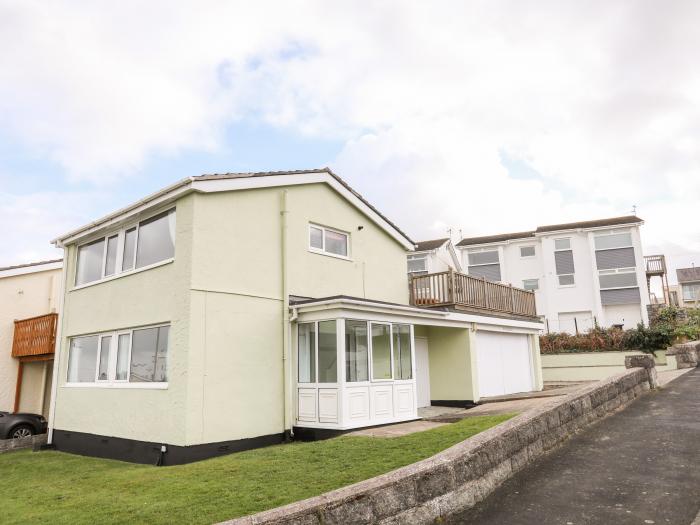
486,296
451,286
18,386
512,298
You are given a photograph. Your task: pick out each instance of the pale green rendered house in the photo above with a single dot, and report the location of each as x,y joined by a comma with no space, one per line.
232,311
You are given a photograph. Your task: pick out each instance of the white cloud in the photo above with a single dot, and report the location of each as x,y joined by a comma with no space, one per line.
600,100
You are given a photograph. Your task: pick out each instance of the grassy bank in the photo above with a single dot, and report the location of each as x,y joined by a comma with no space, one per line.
53,487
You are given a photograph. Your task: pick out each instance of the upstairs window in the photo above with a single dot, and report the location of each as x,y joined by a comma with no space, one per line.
328,242
564,262
418,264
527,251
614,250
137,246
484,263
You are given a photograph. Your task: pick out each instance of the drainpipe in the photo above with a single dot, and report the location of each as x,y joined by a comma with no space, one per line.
57,345
286,326
290,378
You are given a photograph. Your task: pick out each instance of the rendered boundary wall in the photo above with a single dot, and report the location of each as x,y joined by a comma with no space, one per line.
594,366
463,475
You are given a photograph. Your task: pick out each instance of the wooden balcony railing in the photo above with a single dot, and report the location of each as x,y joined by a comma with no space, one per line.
459,290
655,264
35,336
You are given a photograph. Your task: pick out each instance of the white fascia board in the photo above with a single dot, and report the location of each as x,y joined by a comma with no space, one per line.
163,197
420,316
272,181
36,268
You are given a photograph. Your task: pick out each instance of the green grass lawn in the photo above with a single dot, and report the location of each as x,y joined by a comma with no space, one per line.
53,487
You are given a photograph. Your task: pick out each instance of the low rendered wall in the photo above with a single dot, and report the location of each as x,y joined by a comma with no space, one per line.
461,476
594,366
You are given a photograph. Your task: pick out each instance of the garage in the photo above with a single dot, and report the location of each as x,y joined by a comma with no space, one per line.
504,363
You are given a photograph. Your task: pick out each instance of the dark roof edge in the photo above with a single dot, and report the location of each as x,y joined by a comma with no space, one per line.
28,265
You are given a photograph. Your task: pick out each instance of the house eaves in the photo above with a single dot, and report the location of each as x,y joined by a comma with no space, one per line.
239,181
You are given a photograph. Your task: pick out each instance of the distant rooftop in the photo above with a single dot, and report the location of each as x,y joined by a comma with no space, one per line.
487,239
687,275
434,244
29,265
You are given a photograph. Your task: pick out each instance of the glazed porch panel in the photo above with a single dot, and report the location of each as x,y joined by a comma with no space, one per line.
374,374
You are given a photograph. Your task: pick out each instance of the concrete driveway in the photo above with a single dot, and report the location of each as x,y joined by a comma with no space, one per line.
639,466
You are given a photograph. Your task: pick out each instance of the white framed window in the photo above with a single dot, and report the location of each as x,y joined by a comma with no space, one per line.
121,358
402,350
382,363
317,352
562,244
527,251
484,262
612,239
564,262
531,284
418,264
374,351
328,241
136,246
691,291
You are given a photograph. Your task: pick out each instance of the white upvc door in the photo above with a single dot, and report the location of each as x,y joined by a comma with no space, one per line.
422,371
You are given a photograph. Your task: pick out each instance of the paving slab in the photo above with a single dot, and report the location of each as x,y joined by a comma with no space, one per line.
396,430
639,466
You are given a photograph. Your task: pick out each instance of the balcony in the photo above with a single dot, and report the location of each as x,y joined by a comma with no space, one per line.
655,265
459,291
35,337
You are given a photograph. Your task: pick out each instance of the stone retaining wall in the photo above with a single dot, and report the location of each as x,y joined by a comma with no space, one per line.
33,442
687,354
461,476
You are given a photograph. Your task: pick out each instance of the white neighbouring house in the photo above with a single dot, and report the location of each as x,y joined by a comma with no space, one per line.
436,255
582,273
688,286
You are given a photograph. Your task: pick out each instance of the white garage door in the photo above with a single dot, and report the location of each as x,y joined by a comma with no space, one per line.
504,363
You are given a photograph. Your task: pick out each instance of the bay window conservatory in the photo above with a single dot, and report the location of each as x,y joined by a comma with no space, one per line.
354,373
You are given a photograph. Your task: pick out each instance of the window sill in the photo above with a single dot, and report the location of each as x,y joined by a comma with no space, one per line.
321,252
126,386
566,286
124,274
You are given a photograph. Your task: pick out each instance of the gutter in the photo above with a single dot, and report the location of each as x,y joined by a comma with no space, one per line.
286,325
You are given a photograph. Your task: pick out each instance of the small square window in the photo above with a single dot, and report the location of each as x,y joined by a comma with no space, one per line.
527,251
562,244
329,242
566,280
531,284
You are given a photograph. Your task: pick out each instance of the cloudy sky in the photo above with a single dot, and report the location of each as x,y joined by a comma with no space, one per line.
483,117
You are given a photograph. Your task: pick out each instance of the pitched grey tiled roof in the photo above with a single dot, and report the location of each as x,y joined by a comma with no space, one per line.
215,176
686,275
425,246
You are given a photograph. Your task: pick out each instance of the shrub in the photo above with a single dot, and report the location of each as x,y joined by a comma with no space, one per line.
671,325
